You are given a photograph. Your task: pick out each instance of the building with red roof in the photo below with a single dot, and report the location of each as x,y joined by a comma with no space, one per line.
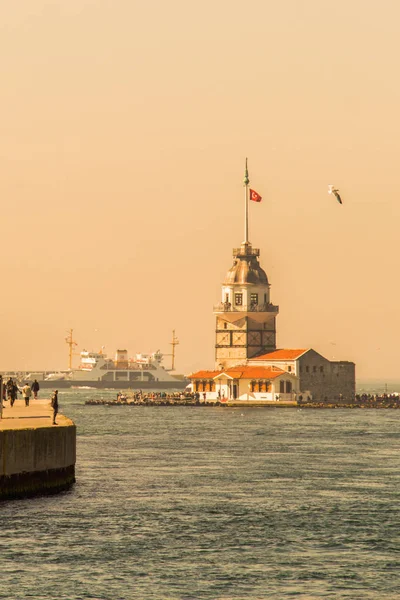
245,382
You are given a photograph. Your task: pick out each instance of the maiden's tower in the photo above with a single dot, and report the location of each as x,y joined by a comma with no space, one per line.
248,365
245,317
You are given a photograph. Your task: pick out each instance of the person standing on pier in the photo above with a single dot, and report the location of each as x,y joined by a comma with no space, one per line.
27,393
35,388
54,405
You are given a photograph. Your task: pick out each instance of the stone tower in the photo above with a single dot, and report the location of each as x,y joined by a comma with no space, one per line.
245,317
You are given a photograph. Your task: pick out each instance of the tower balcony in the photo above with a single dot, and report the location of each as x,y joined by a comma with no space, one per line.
226,307
245,250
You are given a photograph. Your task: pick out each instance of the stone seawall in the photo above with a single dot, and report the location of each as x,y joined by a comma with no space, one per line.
35,456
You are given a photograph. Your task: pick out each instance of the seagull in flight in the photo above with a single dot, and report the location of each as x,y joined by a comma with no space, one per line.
335,192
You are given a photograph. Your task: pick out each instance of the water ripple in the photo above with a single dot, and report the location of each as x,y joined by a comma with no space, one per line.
198,504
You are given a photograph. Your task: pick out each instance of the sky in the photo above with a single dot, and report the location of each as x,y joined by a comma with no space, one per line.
125,126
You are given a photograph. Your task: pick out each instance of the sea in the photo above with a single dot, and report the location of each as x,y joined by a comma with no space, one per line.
213,503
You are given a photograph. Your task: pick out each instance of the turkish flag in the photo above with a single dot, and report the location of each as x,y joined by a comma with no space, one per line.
254,196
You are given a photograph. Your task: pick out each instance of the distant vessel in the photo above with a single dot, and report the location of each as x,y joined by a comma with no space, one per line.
97,370
145,371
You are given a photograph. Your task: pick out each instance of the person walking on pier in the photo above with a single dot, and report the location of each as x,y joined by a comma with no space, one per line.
35,388
9,387
54,405
27,393
12,391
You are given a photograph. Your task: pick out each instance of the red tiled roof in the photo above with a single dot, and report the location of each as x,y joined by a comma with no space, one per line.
204,374
283,354
242,372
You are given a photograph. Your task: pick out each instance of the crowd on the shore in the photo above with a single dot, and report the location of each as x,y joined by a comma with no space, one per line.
140,395
187,398
360,401
155,398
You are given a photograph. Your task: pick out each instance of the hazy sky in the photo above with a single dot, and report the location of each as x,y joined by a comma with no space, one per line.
124,129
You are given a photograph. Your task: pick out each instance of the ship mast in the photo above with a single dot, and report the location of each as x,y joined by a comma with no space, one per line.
174,343
71,343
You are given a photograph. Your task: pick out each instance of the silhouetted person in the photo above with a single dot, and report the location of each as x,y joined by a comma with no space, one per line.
4,390
35,388
12,391
9,388
54,405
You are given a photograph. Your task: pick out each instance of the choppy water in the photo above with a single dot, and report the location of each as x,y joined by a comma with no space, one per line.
208,503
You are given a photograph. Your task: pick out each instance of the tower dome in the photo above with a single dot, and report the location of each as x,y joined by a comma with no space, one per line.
246,268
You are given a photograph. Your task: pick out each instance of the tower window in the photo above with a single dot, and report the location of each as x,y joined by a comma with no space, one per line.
225,325
238,299
226,297
265,298
265,326
253,299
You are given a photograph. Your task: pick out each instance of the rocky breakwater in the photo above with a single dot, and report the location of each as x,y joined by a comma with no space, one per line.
36,457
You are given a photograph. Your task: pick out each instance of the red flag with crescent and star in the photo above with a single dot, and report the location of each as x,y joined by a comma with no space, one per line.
254,196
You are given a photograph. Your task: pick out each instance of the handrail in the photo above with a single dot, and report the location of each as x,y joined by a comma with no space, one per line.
227,307
246,252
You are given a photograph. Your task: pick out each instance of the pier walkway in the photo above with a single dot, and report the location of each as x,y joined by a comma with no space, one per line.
36,457
38,414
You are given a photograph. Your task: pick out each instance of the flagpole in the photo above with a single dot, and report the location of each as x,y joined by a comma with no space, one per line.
246,204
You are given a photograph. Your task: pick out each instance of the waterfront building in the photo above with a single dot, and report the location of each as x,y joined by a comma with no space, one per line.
248,365
317,377
245,382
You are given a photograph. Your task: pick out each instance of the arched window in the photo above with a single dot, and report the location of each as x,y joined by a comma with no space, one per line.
288,387
281,387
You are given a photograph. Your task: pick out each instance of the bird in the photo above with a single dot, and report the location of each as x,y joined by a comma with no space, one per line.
335,192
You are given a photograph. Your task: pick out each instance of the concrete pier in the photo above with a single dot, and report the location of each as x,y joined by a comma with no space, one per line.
36,457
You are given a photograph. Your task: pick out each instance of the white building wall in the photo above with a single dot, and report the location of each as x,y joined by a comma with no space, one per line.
280,364
224,390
